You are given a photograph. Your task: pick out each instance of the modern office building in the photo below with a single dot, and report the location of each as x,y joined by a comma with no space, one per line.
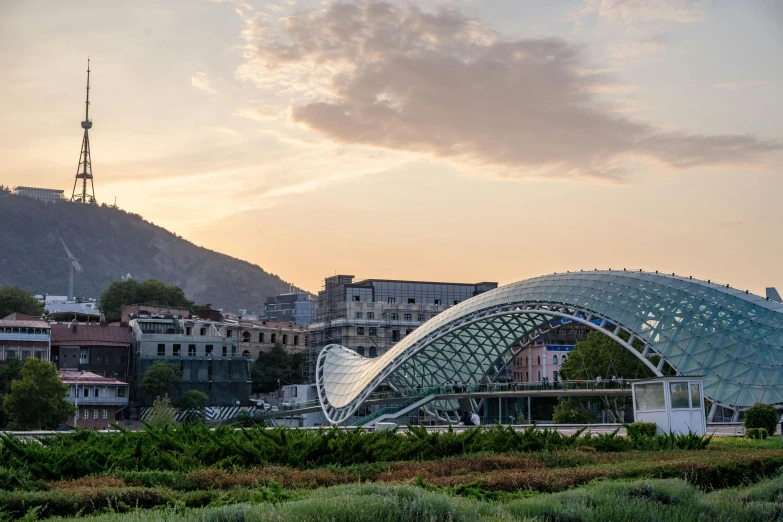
21,339
41,194
104,350
207,361
372,315
97,399
297,308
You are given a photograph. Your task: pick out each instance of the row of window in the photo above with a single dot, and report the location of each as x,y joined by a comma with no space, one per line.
176,350
555,376
246,338
373,332
25,354
86,415
394,317
372,352
411,300
87,391
29,331
84,358
520,361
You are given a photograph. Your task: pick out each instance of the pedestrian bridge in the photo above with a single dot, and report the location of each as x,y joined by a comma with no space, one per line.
730,337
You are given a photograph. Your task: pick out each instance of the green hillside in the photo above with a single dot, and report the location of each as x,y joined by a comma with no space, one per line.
110,243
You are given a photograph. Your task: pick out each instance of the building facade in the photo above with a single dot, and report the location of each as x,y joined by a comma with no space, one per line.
101,349
41,194
207,361
22,339
546,356
97,399
297,308
255,337
371,316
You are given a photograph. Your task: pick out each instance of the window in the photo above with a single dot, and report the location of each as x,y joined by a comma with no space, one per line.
225,350
360,350
395,335
191,350
407,317
105,414
411,300
233,351
356,298
649,397
554,376
679,395
86,392
437,302
296,340
695,395
373,332
274,338
370,315
565,358
175,350
188,330
360,330
395,317
86,414
408,331
554,359
208,349
456,301
161,350
245,337
527,376
539,359
285,339
539,375
358,315
95,414
373,351
121,391
391,300
261,337
420,318
84,356
203,331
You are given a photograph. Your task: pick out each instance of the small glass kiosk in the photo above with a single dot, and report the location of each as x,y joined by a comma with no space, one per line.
674,404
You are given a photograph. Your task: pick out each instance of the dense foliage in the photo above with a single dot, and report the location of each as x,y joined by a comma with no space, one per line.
37,399
160,378
194,403
762,416
14,299
10,370
149,292
275,368
162,413
573,410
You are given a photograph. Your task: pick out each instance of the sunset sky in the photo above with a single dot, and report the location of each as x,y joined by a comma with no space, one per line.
465,140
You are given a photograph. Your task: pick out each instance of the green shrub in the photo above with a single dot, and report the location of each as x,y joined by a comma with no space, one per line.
641,429
762,416
756,433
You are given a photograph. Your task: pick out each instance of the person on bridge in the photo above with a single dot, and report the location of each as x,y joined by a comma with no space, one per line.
474,418
466,420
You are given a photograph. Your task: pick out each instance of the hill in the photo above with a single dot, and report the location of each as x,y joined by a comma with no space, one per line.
110,243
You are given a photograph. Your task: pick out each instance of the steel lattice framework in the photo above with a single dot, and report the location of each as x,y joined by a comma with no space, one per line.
732,338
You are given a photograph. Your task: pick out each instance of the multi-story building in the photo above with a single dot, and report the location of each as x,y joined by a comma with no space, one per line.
208,361
99,348
297,308
254,337
21,339
97,399
548,354
372,315
41,194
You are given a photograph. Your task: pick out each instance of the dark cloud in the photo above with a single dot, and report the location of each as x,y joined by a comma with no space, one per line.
444,84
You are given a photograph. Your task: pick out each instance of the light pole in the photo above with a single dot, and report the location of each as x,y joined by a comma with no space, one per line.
76,399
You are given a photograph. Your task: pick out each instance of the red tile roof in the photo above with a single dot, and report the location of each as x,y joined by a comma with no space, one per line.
10,323
90,335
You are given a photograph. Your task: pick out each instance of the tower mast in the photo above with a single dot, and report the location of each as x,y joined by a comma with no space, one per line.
84,170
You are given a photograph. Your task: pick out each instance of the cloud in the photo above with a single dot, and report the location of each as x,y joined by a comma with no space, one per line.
260,112
737,85
643,11
445,85
202,82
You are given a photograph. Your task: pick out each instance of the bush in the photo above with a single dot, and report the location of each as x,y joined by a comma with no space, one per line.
641,429
762,416
756,433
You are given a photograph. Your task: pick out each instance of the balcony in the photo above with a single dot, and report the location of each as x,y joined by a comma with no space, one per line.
24,337
99,401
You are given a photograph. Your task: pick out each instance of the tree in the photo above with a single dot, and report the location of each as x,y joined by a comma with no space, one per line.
149,292
37,399
160,378
271,369
10,371
194,403
15,299
762,416
162,413
600,355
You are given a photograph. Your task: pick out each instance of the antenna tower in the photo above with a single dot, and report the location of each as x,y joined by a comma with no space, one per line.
84,170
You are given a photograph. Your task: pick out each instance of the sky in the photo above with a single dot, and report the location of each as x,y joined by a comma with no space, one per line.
444,140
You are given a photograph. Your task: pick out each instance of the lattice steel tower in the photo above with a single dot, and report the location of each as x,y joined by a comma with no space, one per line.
84,170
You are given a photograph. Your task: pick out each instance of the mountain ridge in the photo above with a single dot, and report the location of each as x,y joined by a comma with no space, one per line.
109,242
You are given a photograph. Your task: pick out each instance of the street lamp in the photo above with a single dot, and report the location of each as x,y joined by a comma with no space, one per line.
76,399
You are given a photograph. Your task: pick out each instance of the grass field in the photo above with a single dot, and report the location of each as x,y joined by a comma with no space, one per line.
577,479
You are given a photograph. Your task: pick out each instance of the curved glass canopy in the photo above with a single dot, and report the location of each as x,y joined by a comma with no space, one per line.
732,338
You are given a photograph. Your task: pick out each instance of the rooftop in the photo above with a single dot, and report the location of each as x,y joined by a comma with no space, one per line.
91,335
74,377
9,323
